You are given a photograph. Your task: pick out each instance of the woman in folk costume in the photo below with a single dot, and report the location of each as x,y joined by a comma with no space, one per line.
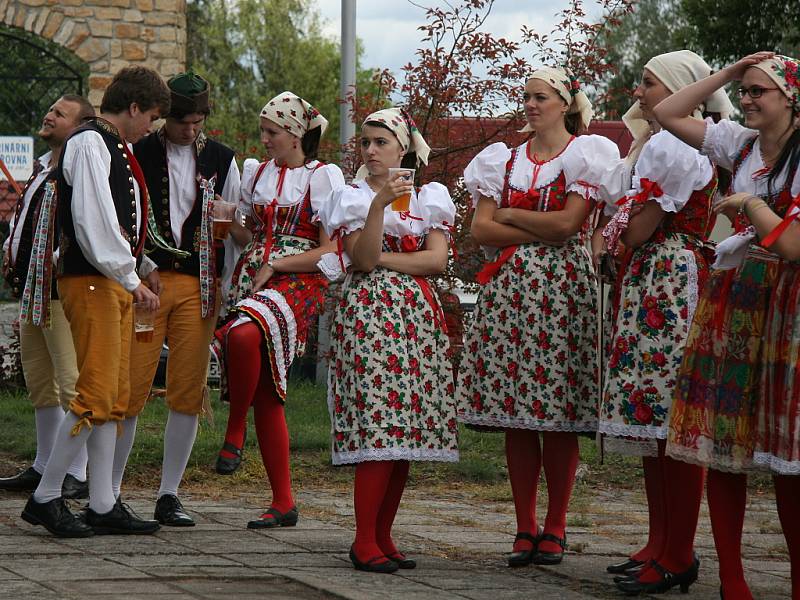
737,398
529,364
276,289
665,218
390,385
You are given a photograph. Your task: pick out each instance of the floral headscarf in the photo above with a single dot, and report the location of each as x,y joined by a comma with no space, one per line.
783,71
294,114
568,87
405,130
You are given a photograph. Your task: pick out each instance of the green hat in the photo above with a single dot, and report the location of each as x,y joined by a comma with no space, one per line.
189,94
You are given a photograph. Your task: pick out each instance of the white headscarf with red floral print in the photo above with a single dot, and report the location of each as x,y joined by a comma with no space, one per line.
404,129
294,114
783,71
564,82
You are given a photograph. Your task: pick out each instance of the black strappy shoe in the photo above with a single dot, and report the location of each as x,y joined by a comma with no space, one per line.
379,564
275,518
524,557
225,465
550,558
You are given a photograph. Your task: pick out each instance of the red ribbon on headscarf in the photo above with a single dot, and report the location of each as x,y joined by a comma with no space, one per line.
489,270
773,235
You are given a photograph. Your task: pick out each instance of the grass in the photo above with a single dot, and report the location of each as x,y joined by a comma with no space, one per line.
481,468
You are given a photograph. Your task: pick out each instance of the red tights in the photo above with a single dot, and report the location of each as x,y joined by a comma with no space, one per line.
251,383
727,497
674,492
558,454
377,492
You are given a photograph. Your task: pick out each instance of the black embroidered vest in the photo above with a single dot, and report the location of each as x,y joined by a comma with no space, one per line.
71,259
212,158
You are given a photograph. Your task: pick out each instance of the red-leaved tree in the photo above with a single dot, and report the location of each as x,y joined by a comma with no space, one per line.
464,90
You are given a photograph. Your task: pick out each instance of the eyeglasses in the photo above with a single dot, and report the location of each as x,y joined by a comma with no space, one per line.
754,91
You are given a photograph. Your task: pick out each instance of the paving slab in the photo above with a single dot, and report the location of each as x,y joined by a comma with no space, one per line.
460,543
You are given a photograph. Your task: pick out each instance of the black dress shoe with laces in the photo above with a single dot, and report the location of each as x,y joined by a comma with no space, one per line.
74,489
26,481
56,518
169,511
120,520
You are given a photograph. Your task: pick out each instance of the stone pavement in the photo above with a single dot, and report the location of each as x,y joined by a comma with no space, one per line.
460,543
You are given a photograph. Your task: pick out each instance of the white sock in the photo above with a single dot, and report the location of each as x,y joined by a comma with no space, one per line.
122,451
65,449
78,467
179,438
101,461
48,420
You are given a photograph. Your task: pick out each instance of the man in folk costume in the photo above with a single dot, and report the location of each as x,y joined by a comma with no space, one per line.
102,212
185,173
48,356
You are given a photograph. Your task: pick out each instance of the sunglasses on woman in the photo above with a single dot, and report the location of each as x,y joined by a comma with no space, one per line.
754,91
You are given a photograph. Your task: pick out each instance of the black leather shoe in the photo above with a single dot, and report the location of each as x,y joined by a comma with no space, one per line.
26,481
667,581
623,567
402,561
56,518
225,465
169,511
120,520
524,557
74,489
550,558
274,518
379,564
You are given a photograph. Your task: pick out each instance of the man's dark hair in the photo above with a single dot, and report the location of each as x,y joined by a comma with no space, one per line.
85,110
141,85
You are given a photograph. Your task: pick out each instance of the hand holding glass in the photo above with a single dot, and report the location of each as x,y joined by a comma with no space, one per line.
144,321
223,217
402,203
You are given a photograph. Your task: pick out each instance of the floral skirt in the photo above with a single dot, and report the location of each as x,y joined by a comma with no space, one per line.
778,413
530,356
656,302
284,309
714,409
390,382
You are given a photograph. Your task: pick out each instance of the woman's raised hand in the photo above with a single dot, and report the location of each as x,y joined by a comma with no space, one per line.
737,69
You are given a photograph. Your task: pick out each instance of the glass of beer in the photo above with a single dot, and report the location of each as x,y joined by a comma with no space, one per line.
144,322
223,218
402,203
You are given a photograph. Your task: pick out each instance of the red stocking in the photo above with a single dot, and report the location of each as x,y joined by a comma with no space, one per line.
524,460
682,494
727,496
371,483
787,495
244,371
560,457
653,469
388,510
273,440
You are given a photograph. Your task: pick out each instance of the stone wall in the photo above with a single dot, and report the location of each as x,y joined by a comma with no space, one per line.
108,34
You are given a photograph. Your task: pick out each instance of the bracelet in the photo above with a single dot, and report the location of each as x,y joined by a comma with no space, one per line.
747,201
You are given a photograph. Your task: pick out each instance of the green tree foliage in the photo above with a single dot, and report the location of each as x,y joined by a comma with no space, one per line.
725,30
252,50
654,27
